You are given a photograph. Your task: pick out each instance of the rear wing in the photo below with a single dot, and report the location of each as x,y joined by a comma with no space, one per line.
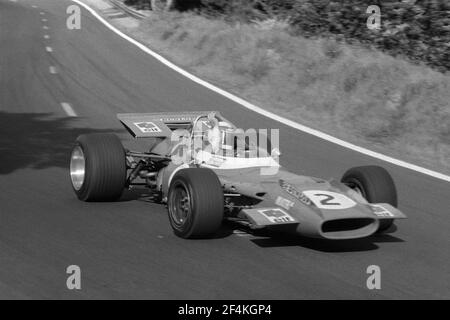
157,125
144,126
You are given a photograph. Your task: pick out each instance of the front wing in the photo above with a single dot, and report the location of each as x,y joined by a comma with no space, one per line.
261,217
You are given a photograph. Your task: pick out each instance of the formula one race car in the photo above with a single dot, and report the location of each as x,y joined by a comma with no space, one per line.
206,171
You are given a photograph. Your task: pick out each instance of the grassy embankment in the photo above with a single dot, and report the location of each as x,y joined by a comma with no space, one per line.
360,95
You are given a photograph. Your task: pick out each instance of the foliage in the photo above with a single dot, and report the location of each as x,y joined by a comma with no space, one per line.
418,29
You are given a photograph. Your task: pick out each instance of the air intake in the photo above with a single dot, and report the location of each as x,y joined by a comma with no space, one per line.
349,228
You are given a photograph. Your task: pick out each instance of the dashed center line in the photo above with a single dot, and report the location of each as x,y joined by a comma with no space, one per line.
41,13
53,70
33,6
68,109
45,27
44,20
46,36
49,49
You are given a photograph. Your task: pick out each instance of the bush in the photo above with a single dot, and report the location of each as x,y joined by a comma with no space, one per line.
138,3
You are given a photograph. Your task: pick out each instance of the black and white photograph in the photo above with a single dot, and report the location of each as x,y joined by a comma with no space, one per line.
224,156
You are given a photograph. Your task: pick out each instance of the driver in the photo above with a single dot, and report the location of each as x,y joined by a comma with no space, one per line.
214,137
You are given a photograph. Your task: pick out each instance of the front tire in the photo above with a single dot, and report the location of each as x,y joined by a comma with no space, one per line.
195,203
376,185
98,167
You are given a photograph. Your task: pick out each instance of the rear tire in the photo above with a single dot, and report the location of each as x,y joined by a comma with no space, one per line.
195,203
376,185
103,167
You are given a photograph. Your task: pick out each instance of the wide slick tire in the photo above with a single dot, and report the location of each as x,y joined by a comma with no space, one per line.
195,203
98,167
376,185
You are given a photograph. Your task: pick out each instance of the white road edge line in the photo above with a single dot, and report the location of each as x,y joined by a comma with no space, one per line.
263,112
68,109
119,13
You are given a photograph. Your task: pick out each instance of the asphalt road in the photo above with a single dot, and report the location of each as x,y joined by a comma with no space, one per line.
127,249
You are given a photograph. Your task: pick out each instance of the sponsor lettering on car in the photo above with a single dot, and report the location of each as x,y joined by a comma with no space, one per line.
284,203
289,188
276,215
147,127
381,211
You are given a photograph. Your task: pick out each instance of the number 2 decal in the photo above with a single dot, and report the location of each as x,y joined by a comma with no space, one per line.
329,200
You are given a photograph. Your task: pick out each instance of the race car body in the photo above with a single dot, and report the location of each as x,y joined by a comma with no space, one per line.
317,208
206,170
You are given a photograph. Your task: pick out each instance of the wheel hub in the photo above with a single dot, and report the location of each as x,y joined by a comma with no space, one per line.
77,168
181,208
